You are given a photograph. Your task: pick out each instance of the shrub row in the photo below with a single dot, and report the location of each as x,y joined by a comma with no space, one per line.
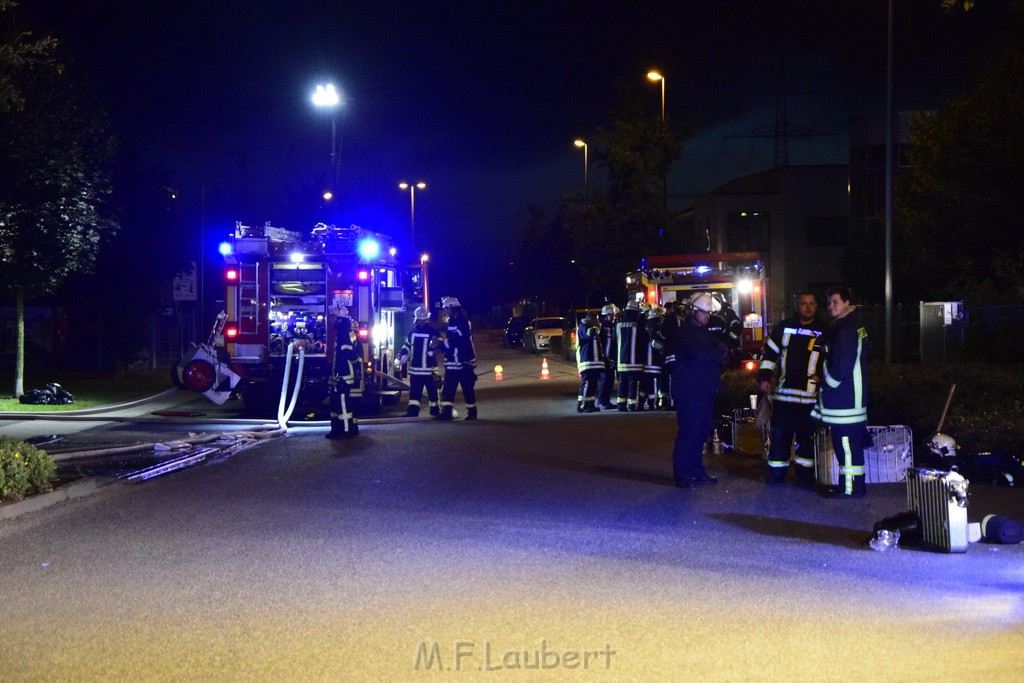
985,414
24,469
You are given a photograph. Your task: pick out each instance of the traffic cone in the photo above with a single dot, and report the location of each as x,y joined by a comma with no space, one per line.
544,374
498,376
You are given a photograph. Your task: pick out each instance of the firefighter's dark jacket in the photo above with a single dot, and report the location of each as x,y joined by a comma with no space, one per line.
844,388
793,350
589,354
459,350
418,348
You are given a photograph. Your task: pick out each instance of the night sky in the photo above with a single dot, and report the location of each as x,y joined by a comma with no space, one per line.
482,100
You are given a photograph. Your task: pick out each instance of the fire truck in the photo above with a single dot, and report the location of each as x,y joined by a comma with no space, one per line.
738,277
280,289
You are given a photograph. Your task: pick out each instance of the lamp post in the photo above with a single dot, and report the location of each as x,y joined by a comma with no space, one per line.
327,97
586,166
656,76
888,193
424,259
412,207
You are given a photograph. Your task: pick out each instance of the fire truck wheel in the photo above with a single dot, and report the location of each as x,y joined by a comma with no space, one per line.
199,375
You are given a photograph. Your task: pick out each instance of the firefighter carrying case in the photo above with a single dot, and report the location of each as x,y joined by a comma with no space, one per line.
887,457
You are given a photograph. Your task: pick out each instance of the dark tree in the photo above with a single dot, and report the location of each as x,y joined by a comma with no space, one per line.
54,180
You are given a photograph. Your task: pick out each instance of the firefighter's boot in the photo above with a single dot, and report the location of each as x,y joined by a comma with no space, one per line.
435,409
774,476
412,411
805,477
471,413
446,414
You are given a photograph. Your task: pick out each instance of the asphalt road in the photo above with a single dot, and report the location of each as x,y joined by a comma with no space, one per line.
535,543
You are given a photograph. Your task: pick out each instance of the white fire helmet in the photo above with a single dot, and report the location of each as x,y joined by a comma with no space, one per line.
421,313
942,445
632,305
610,309
705,302
339,311
655,311
450,302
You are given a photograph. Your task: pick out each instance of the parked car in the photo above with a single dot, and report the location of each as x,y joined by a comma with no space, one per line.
513,333
572,323
543,334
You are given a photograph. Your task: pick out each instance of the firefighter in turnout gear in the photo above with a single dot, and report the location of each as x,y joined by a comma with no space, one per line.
609,352
842,401
726,325
459,361
792,359
589,362
697,363
652,384
631,343
418,351
346,367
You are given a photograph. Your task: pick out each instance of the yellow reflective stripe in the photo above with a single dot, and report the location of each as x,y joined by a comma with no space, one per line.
766,365
778,463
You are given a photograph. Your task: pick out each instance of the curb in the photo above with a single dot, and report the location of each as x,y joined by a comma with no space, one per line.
79,489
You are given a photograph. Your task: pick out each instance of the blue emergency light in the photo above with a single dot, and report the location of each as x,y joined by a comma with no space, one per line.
369,249
225,248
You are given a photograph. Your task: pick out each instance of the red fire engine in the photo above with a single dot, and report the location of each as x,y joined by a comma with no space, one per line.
280,289
738,276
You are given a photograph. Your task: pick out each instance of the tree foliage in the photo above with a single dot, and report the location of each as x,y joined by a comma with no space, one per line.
54,179
961,209
595,239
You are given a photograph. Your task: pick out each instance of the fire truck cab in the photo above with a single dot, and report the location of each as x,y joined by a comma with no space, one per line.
737,276
279,291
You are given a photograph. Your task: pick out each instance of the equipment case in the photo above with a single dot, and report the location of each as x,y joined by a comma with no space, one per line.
886,458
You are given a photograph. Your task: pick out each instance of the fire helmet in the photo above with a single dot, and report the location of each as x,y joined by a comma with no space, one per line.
421,313
339,312
705,302
942,445
632,305
655,311
450,302
610,309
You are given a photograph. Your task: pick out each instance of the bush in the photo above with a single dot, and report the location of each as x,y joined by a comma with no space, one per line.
986,413
24,469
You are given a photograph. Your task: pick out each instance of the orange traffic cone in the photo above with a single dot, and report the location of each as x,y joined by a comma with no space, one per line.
497,373
544,374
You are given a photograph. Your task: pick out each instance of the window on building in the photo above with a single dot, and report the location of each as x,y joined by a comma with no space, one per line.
747,230
827,231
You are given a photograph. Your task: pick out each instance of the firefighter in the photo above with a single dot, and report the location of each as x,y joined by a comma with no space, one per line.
459,360
418,351
651,385
663,337
345,370
609,313
631,344
589,362
696,378
792,359
842,400
726,325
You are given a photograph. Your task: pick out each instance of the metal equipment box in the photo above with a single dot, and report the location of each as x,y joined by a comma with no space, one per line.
747,437
886,459
940,501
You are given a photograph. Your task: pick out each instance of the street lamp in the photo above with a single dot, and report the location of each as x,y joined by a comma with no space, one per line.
424,259
326,97
412,207
656,76
586,181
